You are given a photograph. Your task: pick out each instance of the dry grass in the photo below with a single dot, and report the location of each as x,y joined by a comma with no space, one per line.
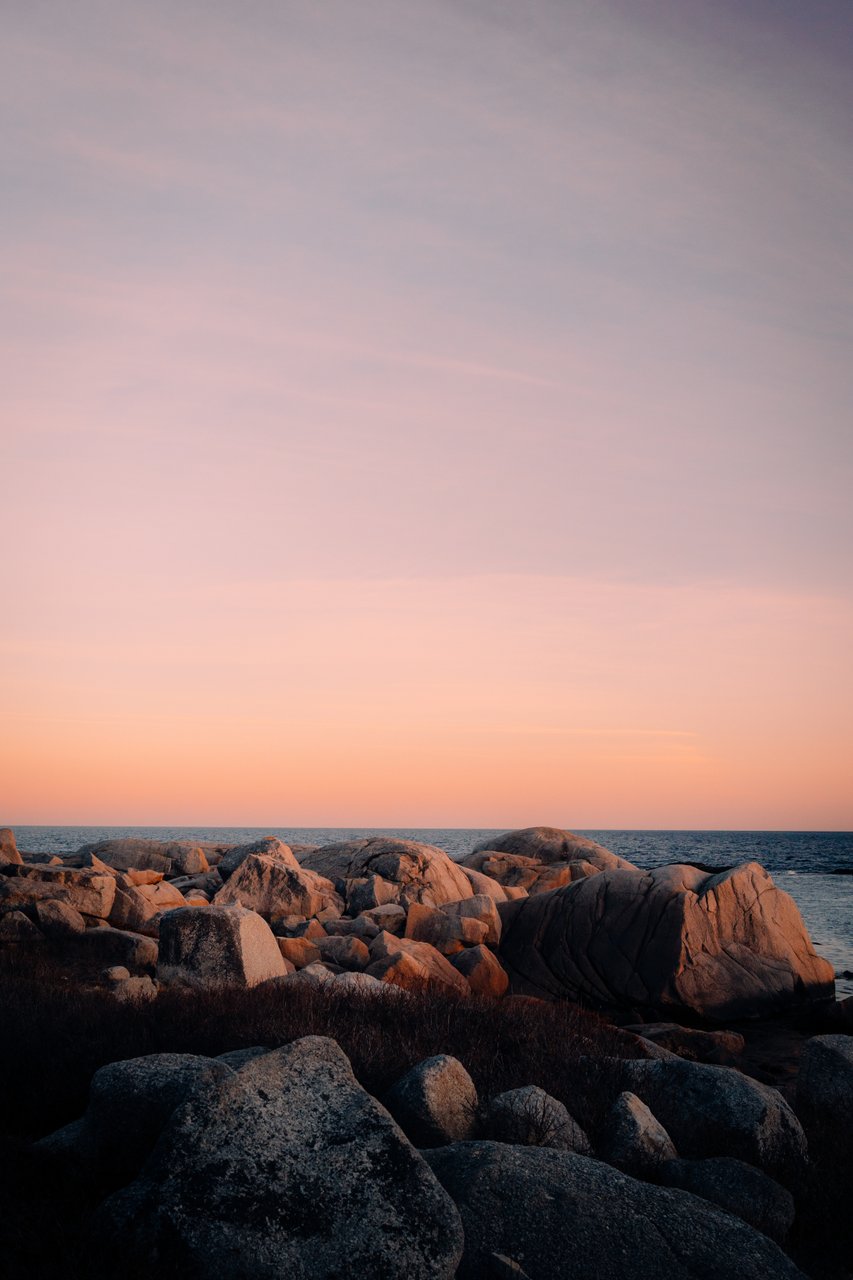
56,1034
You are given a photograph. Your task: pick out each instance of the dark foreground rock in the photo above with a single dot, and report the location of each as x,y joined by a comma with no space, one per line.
825,1105
716,1111
129,1104
288,1168
530,1117
435,1102
557,1214
738,1188
634,1140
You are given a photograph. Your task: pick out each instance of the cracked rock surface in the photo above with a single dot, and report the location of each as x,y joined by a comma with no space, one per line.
720,945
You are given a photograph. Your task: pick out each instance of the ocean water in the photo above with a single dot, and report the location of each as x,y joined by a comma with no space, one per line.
809,865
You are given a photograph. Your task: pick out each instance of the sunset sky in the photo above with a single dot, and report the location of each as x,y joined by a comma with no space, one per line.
427,412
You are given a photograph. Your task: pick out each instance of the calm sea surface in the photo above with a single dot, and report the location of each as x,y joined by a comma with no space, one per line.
803,863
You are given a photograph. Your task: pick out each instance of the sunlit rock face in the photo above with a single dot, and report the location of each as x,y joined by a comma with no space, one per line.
539,859
421,872
172,857
722,946
9,854
228,945
275,888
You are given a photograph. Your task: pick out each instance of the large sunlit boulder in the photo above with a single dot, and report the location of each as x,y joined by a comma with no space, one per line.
275,888
212,945
675,938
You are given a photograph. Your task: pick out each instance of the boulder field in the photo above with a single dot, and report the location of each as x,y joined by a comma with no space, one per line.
276,1161
541,912
266,1163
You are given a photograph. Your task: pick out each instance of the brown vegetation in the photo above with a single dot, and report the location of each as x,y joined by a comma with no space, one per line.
56,1034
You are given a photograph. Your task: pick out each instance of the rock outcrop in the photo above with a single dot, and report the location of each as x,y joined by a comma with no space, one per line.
59,919
217,945
17,928
673,938
421,872
273,887
286,1168
89,892
482,907
449,934
175,857
412,964
268,846
516,875
721,1047
108,946
551,844
558,1214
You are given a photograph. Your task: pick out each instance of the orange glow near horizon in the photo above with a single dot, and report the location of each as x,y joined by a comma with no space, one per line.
413,703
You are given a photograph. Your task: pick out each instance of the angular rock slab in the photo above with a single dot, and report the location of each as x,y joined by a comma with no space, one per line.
560,1215
274,888
482,970
217,944
88,892
413,965
676,937
289,1168
268,846
125,853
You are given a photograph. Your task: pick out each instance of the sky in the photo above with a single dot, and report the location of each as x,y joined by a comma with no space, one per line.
427,412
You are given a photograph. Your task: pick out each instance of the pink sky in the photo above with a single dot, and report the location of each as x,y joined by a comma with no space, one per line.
427,414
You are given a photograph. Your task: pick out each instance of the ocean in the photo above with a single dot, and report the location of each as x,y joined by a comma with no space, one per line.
814,867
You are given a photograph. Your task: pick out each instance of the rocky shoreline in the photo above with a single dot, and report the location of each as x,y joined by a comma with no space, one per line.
669,1150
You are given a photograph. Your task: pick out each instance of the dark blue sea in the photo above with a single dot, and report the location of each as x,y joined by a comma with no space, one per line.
810,865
